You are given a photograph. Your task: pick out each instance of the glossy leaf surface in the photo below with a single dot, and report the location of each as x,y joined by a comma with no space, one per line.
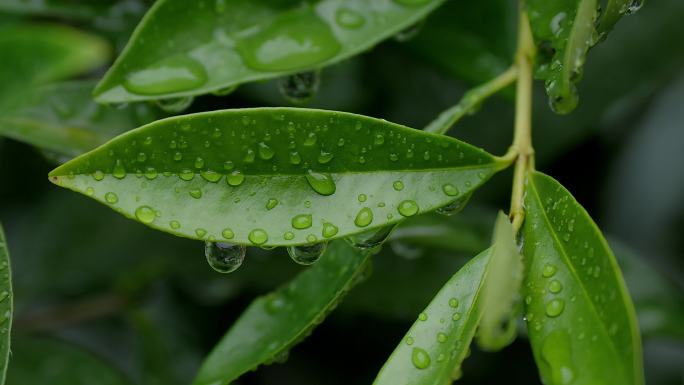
6,305
437,343
500,293
227,42
581,321
272,324
276,176
50,361
35,54
63,118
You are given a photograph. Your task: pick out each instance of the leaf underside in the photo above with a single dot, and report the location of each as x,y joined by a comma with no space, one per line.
276,176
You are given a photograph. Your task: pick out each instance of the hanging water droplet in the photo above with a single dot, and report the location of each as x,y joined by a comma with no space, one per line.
119,172
300,88
224,257
455,206
307,254
186,174
311,139
408,208
302,221
371,239
364,217
321,183
410,32
420,358
175,105
225,91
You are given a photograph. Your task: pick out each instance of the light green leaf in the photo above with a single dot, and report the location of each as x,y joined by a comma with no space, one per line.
35,54
225,43
6,305
564,30
49,361
276,176
63,118
272,324
434,348
501,290
581,321
614,11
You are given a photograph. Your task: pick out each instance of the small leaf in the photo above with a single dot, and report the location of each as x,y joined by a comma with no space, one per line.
272,324
434,348
50,361
564,30
500,293
6,306
224,43
63,119
35,54
581,321
281,176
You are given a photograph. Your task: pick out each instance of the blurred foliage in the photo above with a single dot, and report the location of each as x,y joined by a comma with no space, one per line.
98,294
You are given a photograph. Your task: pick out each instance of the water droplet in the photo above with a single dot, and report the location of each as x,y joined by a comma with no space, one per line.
175,105
186,174
364,217
378,140
408,208
420,358
227,234
271,204
151,173
409,341
398,185
224,257
324,157
249,157
453,302
145,214
394,157
450,190
422,317
235,178
311,139
265,152
456,316
371,239
228,165
295,39
200,233
111,198
549,270
555,286
555,307
98,175
455,206
178,156
300,88
410,32
174,74
288,236
307,254
175,225
295,158
196,193
258,236
329,230
302,221
210,176
362,197
348,18
119,172
225,91
90,191
199,163
441,338
321,183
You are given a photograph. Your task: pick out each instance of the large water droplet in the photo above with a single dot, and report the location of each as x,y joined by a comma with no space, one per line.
296,39
321,183
420,358
300,88
175,105
408,208
549,270
235,178
145,214
111,198
555,307
329,230
371,239
174,74
364,217
302,221
307,254
258,236
224,257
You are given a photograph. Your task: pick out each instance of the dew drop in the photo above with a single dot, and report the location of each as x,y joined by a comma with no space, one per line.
119,172
422,317
364,217
300,88
145,214
210,176
227,234
302,221
450,190
325,157
349,19
420,358
441,338
249,157
555,307
175,105
111,198
288,236
196,193
311,139
549,270
90,191
175,225
329,230
200,233
307,254
453,302
224,257
186,174
321,183
174,74
371,239
151,173
265,152
271,204
555,286
455,206
258,236
408,208
398,185
362,197
235,178
295,158
98,175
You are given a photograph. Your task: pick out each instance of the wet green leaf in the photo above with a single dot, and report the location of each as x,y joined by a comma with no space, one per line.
276,176
613,12
500,293
272,324
581,321
35,54
6,306
221,43
57,8
50,361
62,118
434,348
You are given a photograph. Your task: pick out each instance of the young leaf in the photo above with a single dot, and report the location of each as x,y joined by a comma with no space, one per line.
500,293
564,30
272,324
62,118
6,306
581,321
276,176
39,53
434,348
224,43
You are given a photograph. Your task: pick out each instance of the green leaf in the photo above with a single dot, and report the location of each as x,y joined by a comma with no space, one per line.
501,290
272,324
294,176
6,306
438,342
614,11
63,118
35,54
564,30
220,44
49,361
581,321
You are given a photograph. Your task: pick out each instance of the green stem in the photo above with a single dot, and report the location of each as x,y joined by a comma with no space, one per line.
522,149
471,100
